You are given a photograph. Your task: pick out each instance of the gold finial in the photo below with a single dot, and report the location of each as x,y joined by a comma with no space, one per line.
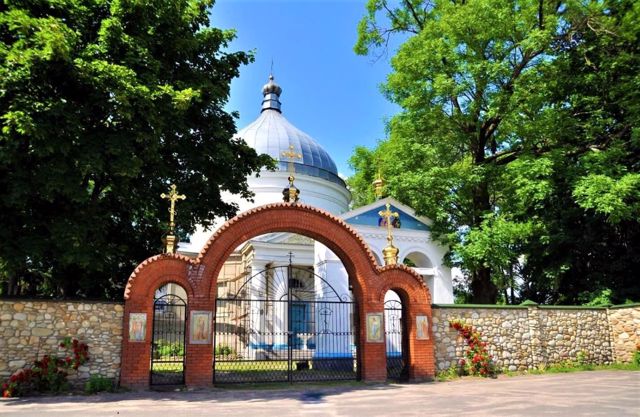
378,185
390,253
171,241
291,193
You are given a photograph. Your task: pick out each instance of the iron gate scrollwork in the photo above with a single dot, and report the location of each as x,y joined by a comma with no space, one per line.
284,324
394,340
168,344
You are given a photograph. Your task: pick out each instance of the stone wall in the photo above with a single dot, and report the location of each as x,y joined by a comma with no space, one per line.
33,328
525,337
518,337
625,332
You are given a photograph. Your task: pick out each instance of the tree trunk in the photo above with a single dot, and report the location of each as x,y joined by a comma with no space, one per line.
13,286
483,290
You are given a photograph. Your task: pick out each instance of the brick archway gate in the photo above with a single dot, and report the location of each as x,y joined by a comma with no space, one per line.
199,278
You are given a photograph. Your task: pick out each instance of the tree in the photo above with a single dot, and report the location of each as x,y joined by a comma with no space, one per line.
490,134
103,105
591,217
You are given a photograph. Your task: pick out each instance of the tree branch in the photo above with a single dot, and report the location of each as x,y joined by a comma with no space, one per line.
419,22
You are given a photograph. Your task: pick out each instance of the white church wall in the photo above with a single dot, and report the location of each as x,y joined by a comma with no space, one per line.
268,189
416,245
333,319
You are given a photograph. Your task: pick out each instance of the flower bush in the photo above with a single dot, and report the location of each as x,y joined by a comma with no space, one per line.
478,361
48,374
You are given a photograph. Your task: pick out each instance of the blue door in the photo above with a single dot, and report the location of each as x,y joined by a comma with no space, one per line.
299,323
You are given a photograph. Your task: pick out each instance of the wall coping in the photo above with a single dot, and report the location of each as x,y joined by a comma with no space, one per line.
542,307
487,306
460,306
58,300
619,306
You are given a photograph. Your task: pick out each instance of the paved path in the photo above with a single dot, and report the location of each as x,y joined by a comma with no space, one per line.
597,393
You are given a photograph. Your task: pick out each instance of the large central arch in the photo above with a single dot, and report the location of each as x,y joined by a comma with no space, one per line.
199,278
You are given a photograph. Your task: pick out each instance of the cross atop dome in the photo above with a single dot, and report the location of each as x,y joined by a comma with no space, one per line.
272,134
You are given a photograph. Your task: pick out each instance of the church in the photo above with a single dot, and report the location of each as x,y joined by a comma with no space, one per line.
316,176
286,298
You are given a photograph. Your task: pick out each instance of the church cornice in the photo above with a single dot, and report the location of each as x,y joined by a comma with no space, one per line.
407,236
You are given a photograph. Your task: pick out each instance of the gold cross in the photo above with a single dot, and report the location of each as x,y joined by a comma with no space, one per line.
173,196
388,215
291,155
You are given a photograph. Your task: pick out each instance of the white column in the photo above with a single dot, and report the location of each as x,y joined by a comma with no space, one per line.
332,320
257,310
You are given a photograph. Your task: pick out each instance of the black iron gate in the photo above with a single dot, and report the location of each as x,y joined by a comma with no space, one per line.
284,324
394,340
167,347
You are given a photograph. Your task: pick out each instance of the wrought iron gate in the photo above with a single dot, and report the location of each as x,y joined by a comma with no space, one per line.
394,340
284,324
167,347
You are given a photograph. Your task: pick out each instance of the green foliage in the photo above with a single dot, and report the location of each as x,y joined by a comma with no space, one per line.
518,137
478,360
164,348
452,372
224,350
48,374
98,383
103,105
598,298
618,199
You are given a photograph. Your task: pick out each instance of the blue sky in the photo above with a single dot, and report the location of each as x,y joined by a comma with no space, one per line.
329,92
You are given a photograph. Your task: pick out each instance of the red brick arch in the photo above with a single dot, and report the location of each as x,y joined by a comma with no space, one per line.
199,278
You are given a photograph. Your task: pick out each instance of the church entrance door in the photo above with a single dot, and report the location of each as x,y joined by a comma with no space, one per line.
284,324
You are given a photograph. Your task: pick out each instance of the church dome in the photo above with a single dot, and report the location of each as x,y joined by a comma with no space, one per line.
272,134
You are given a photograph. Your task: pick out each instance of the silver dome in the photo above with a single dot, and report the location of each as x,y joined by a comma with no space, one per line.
272,134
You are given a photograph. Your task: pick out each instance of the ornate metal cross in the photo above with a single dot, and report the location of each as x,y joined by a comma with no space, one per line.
388,215
292,156
173,196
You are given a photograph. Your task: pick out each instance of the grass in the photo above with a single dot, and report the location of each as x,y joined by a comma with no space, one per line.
233,366
251,366
558,368
567,367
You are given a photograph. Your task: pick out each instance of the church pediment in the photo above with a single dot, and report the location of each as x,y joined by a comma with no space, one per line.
369,216
290,238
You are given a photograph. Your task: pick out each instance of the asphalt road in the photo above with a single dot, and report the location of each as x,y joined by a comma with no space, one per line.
597,393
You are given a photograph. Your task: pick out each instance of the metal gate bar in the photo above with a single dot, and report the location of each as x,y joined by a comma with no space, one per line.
297,337
167,347
394,340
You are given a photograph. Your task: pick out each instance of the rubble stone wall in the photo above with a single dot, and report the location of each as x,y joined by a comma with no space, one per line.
526,337
30,329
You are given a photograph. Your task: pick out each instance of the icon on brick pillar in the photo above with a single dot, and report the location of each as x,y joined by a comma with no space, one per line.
375,333
137,327
200,328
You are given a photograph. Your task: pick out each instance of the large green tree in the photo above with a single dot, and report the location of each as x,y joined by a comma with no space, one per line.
509,133
104,103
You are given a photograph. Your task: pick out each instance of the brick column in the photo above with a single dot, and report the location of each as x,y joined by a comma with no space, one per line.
199,357
373,354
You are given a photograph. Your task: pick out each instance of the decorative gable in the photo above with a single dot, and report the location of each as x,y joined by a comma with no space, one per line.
369,216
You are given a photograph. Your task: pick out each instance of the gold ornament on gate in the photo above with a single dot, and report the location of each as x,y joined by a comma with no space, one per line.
170,241
390,252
